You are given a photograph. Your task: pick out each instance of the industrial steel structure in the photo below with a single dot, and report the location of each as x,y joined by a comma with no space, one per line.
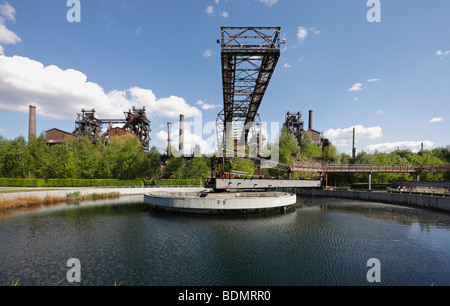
295,125
135,122
249,57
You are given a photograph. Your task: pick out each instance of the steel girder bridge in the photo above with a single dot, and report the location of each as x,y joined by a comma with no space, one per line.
249,57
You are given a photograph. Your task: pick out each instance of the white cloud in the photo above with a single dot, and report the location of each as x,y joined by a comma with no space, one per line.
207,106
208,53
301,34
356,87
224,14
138,31
6,35
380,111
344,137
269,2
61,94
436,120
414,146
372,80
442,54
209,10
286,65
7,11
191,139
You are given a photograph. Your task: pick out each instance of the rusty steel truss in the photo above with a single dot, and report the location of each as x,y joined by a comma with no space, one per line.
89,125
249,57
295,125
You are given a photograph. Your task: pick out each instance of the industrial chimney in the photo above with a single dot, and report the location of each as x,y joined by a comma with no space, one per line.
354,141
310,120
32,122
181,140
169,125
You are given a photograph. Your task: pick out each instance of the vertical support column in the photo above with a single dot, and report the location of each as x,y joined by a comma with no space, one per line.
370,181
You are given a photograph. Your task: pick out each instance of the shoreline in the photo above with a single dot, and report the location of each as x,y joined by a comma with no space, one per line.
441,204
26,202
36,196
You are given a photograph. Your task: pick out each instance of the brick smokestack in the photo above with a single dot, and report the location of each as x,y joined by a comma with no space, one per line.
311,119
181,140
169,125
32,122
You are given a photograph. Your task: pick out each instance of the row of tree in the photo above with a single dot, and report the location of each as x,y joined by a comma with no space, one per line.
124,158
308,151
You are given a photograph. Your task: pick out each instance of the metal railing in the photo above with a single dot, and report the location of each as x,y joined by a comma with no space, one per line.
317,167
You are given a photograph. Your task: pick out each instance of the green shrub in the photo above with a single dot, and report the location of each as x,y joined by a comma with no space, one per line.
41,183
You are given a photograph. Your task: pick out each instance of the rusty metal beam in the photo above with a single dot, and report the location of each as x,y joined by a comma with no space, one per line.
249,57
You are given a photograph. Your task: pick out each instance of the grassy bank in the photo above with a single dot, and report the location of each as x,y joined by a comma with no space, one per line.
6,204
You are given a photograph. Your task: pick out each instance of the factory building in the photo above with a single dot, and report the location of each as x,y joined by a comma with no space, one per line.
295,125
57,136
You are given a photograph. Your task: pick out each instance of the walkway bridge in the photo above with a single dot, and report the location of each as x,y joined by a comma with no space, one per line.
324,169
329,168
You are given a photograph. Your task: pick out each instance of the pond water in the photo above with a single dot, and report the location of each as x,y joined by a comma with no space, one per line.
323,241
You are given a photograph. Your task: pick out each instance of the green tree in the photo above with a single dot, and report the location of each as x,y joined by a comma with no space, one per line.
126,156
14,158
243,165
175,168
197,166
288,147
58,158
153,164
106,162
69,169
308,148
37,150
87,159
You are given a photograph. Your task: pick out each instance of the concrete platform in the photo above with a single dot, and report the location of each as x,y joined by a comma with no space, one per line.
252,184
220,203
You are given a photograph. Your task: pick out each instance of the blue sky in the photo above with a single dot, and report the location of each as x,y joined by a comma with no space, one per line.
390,79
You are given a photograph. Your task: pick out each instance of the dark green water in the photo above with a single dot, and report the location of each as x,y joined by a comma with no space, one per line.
322,242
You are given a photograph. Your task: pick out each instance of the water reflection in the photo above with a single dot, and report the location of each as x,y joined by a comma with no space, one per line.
402,214
320,242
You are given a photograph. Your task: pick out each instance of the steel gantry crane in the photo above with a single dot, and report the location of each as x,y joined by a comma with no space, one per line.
249,57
